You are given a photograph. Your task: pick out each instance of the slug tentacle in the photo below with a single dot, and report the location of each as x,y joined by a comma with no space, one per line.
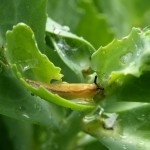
98,86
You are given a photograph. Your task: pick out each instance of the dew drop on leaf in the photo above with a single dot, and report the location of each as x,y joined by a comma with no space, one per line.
26,116
96,113
126,58
66,28
56,31
24,67
60,45
63,46
22,110
23,64
109,122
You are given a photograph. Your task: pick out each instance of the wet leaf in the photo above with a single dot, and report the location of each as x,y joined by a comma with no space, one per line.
123,66
31,64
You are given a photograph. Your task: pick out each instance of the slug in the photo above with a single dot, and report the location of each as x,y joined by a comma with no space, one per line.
70,90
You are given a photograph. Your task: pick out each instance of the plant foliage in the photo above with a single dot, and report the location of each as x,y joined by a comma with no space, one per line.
74,41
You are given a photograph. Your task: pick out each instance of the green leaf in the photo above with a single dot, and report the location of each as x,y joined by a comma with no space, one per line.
21,104
123,66
125,14
87,142
93,25
27,62
83,19
5,141
127,129
73,50
47,95
3,62
51,53
13,12
24,137
58,9
23,52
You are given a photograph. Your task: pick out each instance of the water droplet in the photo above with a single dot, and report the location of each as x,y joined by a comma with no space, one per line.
26,68
57,31
26,116
126,58
66,28
63,47
96,113
24,64
89,118
109,122
60,45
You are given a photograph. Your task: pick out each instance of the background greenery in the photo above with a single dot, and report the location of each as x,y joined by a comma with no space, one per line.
63,38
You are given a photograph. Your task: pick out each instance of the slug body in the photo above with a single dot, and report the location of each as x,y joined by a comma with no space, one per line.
70,91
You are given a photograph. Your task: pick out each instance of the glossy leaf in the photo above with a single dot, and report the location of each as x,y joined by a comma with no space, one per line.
128,129
13,12
73,50
122,15
83,19
31,64
123,66
26,56
23,138
23,105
